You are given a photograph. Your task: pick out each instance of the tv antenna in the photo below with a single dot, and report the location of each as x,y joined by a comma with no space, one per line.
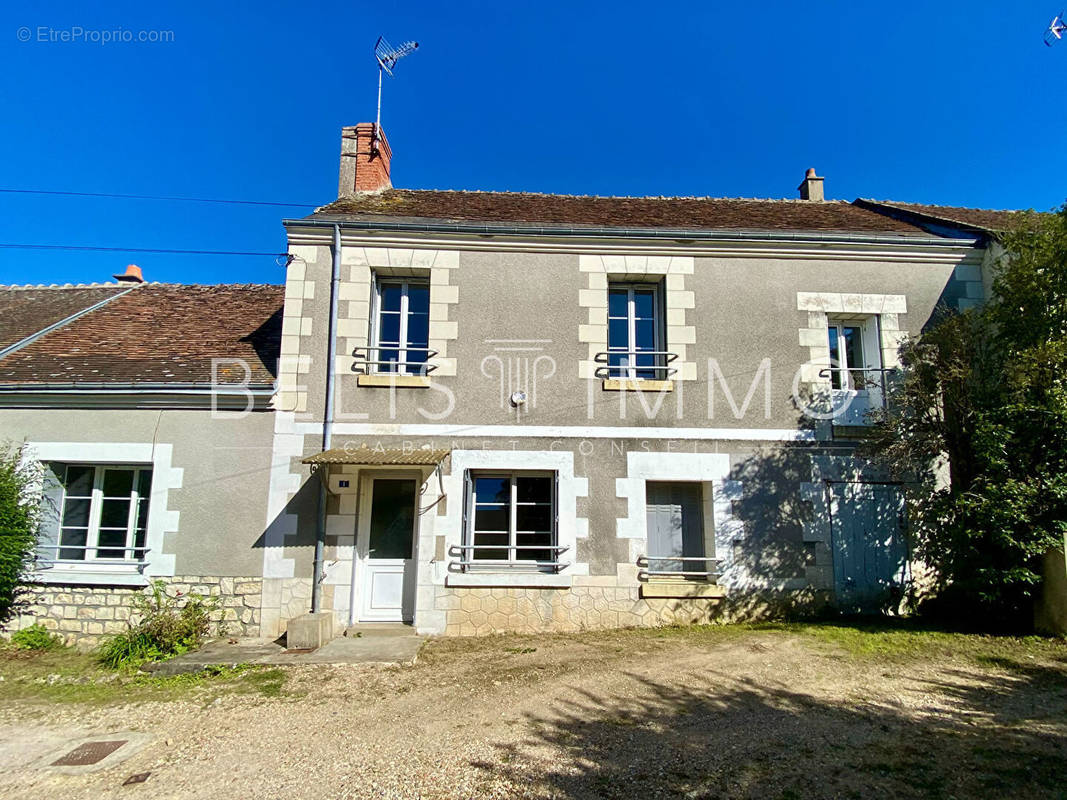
1055,29
387,56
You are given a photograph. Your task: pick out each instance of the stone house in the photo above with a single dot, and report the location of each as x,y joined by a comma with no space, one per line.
480,411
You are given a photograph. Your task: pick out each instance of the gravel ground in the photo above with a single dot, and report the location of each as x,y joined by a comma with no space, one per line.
626,714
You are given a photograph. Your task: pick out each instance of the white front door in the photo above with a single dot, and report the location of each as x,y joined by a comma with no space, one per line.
386,575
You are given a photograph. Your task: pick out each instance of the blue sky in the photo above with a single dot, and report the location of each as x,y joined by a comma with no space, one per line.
949,102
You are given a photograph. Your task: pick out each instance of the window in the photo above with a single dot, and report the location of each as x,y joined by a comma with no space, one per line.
675,522
512,518
402,326
854,362
103,514
636,340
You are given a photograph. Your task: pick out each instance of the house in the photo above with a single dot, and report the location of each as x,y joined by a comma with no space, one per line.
485,411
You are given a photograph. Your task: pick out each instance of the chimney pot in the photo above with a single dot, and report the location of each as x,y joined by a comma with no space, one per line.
811,188
365,163
131,275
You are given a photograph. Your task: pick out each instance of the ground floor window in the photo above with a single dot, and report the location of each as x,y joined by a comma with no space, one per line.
511,519
103,512
675,521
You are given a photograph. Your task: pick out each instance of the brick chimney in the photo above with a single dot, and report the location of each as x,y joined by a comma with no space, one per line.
811,187
364,162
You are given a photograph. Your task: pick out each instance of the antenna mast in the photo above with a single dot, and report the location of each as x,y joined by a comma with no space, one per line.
386,55
1054,31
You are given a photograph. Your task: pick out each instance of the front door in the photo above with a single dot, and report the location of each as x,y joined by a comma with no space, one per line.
387,544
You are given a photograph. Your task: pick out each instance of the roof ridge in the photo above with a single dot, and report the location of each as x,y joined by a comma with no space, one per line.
598,196
898,203
26,286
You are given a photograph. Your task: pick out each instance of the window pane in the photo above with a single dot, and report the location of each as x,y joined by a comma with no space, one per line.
492,518
618,334
111,539
75,538
392,521
118,482
115,514
529,539
645,329
144,491
644,303
76,513
835,359
533,490
79,481
493,553
533,518
390,357
418,333
853,346
389,329
492,490
617,303
390,296
418,299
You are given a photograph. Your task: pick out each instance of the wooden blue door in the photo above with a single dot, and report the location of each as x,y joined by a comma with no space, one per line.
870,555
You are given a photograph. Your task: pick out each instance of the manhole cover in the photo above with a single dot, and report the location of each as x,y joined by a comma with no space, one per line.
89,753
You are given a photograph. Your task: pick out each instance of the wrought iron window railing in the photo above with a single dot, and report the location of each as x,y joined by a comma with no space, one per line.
465,557
635,364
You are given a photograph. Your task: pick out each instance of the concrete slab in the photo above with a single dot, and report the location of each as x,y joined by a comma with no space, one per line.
361,645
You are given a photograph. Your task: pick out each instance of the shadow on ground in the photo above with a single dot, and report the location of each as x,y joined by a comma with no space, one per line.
982,734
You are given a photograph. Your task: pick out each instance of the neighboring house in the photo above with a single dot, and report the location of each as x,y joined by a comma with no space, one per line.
111,388
496,411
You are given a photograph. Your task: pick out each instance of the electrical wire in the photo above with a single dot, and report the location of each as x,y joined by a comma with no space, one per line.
159,197
168,251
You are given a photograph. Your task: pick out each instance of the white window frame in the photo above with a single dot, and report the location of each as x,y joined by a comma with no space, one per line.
512,532
659,333
402,350
855,402
96,505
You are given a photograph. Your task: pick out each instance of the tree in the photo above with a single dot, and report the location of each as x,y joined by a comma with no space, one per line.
18,525
976,424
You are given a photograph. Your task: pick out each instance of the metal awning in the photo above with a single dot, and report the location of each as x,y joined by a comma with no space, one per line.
379,456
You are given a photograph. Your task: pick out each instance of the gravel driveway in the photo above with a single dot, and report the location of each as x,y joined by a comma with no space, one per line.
624,714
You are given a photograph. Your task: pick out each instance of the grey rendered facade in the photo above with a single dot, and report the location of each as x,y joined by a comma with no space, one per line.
714,485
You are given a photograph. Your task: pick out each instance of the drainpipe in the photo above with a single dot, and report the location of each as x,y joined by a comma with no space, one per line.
327,424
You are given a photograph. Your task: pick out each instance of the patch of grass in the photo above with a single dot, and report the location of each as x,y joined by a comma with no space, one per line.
69,676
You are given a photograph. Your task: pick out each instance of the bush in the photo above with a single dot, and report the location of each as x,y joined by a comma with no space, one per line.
18,525
167,626
35,637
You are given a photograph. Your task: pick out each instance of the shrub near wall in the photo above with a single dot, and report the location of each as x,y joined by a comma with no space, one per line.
84,615
18,527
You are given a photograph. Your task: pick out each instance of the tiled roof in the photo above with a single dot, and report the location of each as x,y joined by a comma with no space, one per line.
24,310
157,333
686,213
982,218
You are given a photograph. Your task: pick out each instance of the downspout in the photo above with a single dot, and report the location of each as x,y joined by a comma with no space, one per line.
327,424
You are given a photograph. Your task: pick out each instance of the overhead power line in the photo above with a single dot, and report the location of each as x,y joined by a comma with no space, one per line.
15,246
160,197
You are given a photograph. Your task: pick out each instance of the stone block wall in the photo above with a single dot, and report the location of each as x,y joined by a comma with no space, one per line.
83,615
480,611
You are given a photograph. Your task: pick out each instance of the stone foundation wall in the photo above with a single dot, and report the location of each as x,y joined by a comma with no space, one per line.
83,615
480,611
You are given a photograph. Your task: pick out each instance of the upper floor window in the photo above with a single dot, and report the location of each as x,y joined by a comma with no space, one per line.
856,374
103,512
636,337
401,326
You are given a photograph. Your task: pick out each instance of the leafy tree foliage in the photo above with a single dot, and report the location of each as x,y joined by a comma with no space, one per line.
976,422
18,526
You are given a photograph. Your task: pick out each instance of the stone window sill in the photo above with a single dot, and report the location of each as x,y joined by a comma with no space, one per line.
92,577
526,580
628,385
681,589
389,380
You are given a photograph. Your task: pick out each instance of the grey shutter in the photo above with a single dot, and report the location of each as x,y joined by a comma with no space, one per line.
53,477
556,554
466,536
